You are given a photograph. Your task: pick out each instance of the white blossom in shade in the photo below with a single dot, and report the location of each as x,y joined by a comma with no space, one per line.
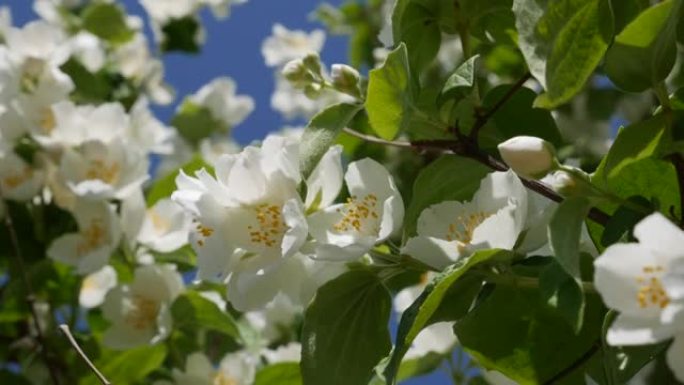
19,180
140,312
52,10
436,338
284,45
325,182
451,230
386,36
96,170
95,287
251,205
97,237
373,212
38,43
165,227
215,146
220,98
147,132
644,281
182,153
275,317
236,368
67,124
163,11
89,50
291,352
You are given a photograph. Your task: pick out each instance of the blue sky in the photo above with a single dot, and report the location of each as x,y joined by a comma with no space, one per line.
233,48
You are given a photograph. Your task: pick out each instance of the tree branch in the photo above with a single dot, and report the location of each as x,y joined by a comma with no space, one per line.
482,119
30,297
72,341
575,365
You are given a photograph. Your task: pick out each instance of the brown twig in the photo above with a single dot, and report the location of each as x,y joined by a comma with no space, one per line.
74,344
30,297
575,365
482,119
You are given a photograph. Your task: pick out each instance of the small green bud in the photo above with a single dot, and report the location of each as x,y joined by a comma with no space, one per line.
346,79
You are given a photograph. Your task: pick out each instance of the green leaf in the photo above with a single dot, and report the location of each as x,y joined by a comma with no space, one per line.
194,311
563,41
489,19
419,30
460,81
390,95
514,332
345,330
622,222
286,373
195,122
653,179
165,186
322,132
128,366
181,35
89,87
107,21
644,53
518,117
448,178
561,291
418,366
421,312
565,231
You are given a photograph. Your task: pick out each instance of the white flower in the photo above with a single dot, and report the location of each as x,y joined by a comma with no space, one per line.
38,43
451,230
66,124
293,103
528,156
165,227
284,45
19,180
372,213
325,182
215,146
220,99
274,318
98,236
89,50
139,312
5,21
291,352
221,8
147,132
386,36
643,281
96,170
95,287
238,368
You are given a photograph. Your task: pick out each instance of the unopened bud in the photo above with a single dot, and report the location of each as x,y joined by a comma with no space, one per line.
529,156
345,79
312,62
313,90
297,74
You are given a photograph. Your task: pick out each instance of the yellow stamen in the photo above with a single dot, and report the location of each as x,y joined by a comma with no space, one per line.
356,214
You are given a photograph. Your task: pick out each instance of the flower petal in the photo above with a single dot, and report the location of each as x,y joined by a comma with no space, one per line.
660,235
434,252
627,330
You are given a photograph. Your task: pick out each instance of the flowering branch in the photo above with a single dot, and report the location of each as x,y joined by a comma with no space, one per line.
65,329
30,297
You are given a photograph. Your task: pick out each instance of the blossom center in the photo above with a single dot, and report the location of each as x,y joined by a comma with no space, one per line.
203,231
270,225
92,237
143,312
47,120
462,229
359,215
14,180
222,379
651,291
159,223
99,169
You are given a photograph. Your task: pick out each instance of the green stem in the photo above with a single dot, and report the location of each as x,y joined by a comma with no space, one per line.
663,97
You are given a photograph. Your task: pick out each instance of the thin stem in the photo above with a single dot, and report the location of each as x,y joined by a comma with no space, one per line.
482,119
74,344
678,163
375,139
30,297
575,365
661,93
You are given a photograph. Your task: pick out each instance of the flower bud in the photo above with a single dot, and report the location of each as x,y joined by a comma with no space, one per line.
297,74
529,156
345,79
312,62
